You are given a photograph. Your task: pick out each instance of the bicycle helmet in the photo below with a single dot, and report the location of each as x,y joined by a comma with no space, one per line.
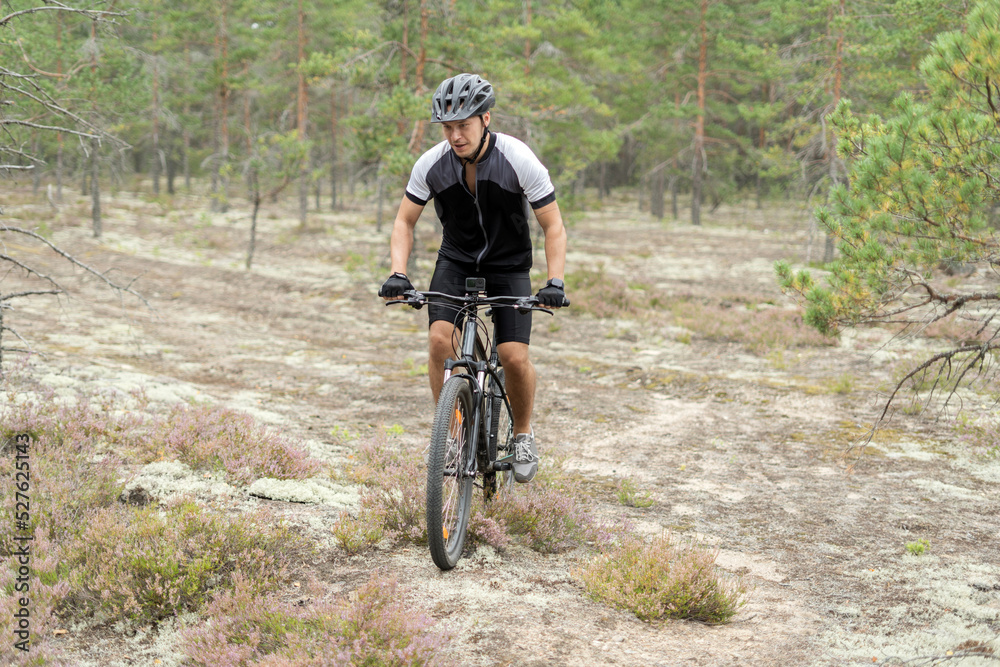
460,97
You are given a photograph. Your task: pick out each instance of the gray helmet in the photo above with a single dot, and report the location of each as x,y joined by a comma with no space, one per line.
461,97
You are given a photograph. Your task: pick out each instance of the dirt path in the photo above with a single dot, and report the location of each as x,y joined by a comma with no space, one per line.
739,449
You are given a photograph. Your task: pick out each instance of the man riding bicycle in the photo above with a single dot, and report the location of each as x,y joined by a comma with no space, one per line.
482,183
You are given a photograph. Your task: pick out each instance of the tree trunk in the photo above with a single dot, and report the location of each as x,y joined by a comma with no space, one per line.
674,203
156,121
831,151
247,108
36,172
333,147
762,147
95,189
59,167
405,51
170,164
185,132
255,189
527,42
403,65
222,111
380,197
302,108
59,136
697,163
420,126
83,164
656,193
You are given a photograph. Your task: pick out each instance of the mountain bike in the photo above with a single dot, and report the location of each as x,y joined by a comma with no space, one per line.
472,436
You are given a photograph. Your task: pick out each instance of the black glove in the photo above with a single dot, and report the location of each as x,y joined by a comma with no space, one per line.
553,295
395,285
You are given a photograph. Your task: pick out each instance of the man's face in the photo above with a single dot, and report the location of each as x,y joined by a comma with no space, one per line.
464,135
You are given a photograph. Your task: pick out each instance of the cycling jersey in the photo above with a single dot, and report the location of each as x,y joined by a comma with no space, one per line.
489,230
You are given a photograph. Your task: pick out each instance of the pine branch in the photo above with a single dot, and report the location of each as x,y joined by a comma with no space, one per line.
946,359
17,295
95,14
125,289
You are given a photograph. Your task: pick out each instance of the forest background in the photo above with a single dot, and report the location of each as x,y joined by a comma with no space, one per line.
716,99
877,119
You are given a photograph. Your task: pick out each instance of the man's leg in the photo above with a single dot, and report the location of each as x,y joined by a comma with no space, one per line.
520,380
441,338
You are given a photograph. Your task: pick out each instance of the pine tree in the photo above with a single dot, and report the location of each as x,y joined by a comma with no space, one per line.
920,207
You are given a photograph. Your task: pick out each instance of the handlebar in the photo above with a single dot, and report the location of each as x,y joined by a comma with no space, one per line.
417,300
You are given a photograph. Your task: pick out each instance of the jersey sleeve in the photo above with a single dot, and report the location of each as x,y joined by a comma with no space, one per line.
532,176
417,189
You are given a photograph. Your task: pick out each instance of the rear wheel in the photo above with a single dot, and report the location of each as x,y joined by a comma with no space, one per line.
500,438
450,471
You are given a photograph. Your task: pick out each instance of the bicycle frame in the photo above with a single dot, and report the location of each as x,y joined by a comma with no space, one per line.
478,362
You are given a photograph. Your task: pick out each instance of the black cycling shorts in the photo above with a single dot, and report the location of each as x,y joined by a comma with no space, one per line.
511,325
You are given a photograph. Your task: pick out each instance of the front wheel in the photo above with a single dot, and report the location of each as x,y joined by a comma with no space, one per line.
450,472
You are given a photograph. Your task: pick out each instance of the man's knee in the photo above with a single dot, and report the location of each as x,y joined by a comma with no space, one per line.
440,337
514,355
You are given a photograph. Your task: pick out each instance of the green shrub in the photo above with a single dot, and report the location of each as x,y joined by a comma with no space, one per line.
664,579
917,548
629,495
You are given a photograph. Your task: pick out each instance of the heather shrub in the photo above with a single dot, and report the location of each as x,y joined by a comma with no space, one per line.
146,564
355,534
486,529
760,330
221,439
71,468
982,436
664,579
371,627
393,501
545,519
549,515
93,422
605,296
46,592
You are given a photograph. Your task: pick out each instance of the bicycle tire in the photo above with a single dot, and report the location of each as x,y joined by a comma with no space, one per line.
499,438
449,473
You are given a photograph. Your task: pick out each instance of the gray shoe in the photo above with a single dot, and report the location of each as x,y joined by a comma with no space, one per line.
525,457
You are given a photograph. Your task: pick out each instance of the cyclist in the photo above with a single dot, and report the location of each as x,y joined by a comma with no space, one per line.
482,183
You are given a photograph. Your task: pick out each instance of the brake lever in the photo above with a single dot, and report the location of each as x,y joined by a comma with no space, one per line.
529,304
411,299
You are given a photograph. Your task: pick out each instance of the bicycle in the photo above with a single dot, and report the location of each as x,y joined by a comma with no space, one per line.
473,430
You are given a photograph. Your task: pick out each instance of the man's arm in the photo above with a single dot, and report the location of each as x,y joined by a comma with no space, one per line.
401,240
400,246
550,218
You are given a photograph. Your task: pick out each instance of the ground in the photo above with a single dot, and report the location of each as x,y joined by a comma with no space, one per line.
743,450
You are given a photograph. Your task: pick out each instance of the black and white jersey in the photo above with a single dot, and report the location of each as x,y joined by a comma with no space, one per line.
489,231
